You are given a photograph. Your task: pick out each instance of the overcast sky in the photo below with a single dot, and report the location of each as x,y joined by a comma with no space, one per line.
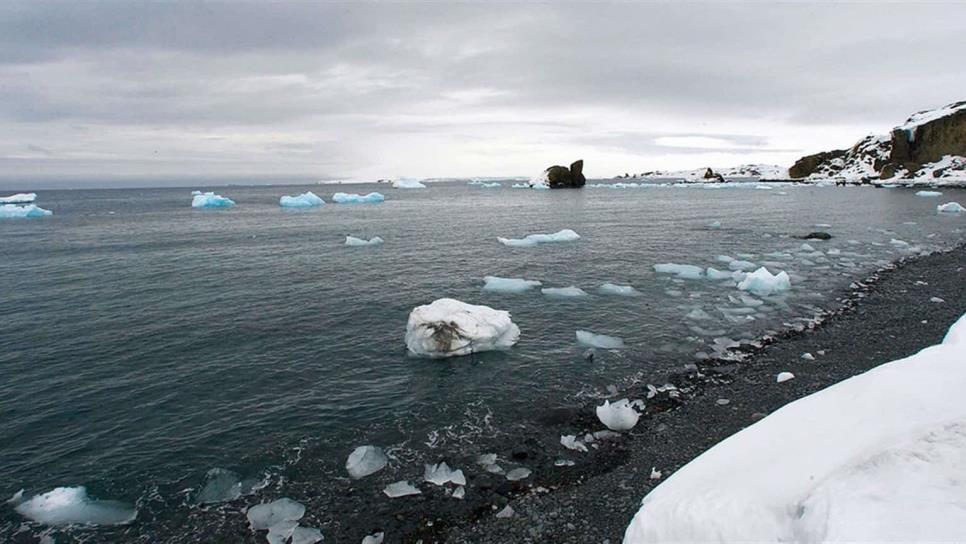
97,91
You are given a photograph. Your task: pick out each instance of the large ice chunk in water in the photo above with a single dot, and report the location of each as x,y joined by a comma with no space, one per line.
11,211
448,328
72,506
407,183
763,283
565,235
619,416
267,515
601,341
564,292
19,198
686,271
509,285
618,290
352,241
307,199
950,207
400,489
365,460
210,200
224,485
441,474
353,198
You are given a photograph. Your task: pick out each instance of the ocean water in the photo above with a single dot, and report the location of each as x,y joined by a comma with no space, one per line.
143,342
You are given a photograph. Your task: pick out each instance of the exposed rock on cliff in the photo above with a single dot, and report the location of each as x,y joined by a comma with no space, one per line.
560,177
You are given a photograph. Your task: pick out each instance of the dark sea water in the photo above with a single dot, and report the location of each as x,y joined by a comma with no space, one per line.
143,342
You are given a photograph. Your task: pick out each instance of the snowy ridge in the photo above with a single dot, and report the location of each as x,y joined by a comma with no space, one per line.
877,457
922,117
760,171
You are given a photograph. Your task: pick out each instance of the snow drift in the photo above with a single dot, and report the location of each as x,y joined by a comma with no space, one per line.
449,328
878,457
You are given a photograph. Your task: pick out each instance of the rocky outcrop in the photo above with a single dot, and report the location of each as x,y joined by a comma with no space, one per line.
710,174
809,164
561,177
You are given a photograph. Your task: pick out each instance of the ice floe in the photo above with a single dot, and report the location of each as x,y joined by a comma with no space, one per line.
950,207
508,285
19,198
448,328
441,474
763,283
565,235
307,199
784,377
619,416
564,292
224,485
210,200
72,506
618,290
407,183
928,193
353,198
741,265
12,211
686,271
601,341
715,274
400,489
352,241
365,460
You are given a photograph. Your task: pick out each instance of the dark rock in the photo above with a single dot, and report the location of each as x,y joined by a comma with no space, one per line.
711,174
560,177
808,164
816,236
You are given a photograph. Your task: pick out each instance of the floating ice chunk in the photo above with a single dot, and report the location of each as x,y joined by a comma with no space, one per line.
375,538
352,241
400,489
19,198
210,200
751,301
492,185
448,328
937,300
530,240
365,460
619,416
784,377
507,512
353,198
563,463
441,474
928,193
714,225
224,485
508,285
12,211
900,243
686,271
563,292
741,265
724,259
807,247
618,290
519,473
571,442
950,207
407,183
601,341
715,274
307,199
808,357
306,535
698,314
763,283
519,186
72,506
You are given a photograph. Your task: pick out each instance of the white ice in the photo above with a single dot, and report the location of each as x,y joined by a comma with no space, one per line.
571,442
715,274
375,538
365,460
929,193
619,416
224,485
517,474
763,283
307,199
563,292
950,207
19,198
210,200
879,457
784,377
808,356
306,535
741,265
400,489
508,285
353,198
686,271
448,328
618,290
601,341
565,235
72,506
12,211
267,515
441,474
407,183
352,241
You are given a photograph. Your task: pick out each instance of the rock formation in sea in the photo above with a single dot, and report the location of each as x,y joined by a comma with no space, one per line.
561,177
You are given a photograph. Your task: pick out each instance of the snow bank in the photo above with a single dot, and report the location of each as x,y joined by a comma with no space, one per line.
618,290
950,207
19,198
210,200
763,283
353,198
564,292
619,416
356,242
365,460
565,235
11,211
508,285
601,341
72,506
878,457
449,328
687,271
407,183
307,199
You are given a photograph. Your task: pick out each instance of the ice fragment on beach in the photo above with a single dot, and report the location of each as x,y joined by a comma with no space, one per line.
686,271
950,207
519,473
936,300
508,285
307,199
618,290
601,341
448,328
714,225
210,200
563,292
72,506
306,535
375,538
507,512
655,474
808,357
352,241
763,283
365,460
266,515
619,416
571,442
19,198
486,459
565,235
563,463
784,377
353,198
441,474
400,489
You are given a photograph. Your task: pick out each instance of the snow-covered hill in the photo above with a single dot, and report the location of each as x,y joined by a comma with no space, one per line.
758,171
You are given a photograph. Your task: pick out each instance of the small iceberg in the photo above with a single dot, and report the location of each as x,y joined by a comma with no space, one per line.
72,506
601,341
565,235
365,460
352,241
763,283
210,200
441,474
564,292
353,198
686,271
929,193
784,377
407,183
224,485
619,416
307,199
12,211
950,207
618,290
400,489
449,328
508,285
19,198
